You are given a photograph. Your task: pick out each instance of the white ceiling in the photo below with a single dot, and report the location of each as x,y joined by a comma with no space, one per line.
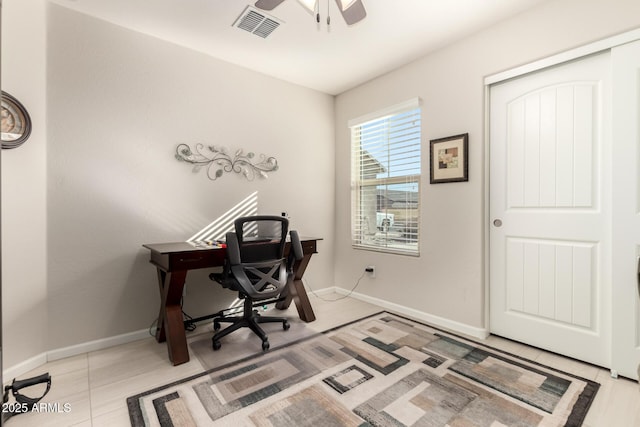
331,60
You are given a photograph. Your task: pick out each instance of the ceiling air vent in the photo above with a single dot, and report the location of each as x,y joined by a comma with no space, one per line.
256,22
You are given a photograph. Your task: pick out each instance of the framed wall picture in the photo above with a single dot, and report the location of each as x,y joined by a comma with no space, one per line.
16,123
450,159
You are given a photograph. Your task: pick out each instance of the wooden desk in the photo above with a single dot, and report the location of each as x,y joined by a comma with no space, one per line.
174,260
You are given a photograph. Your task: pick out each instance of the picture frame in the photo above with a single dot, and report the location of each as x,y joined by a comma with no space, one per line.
449,159
16,123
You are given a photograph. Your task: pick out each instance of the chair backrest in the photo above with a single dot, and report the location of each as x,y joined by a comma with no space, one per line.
255,257
261,238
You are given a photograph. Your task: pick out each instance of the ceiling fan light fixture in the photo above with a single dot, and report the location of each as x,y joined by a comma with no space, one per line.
353,11
345,4
310,5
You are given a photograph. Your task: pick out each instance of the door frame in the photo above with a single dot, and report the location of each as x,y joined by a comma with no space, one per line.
557,59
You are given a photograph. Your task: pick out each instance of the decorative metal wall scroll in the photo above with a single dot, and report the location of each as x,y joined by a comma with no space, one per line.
16,123
217,161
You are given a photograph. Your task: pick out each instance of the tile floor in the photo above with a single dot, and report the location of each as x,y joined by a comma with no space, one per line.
96,384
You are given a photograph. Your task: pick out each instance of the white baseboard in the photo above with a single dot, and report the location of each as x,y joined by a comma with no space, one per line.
23,367
74,350
321,292
101,344
451,325
95,345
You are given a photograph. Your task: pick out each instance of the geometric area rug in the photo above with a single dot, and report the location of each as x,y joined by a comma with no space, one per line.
384,370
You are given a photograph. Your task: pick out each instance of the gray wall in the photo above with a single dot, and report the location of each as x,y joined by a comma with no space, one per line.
24,232
118,103
97,177
447,280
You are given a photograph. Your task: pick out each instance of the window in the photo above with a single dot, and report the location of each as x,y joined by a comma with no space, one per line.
385,152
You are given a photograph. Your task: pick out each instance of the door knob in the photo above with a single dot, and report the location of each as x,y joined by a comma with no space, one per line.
498,223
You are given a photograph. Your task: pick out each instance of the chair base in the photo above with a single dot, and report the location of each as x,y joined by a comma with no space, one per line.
249,319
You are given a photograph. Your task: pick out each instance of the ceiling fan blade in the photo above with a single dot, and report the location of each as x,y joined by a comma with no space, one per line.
353,13
267,4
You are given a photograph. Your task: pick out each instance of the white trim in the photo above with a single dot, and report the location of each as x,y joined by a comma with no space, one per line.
409,104
451,325
24,367
486,220
319,292
95,345
566,56
101,344
74,350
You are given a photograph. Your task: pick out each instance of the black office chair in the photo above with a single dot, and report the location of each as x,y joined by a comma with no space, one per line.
256,268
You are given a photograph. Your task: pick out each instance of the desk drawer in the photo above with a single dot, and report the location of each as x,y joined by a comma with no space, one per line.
309,247
196,259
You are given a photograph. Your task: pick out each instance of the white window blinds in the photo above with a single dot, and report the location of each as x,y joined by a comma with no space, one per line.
386,179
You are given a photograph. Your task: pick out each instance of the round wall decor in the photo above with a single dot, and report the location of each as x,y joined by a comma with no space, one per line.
16,123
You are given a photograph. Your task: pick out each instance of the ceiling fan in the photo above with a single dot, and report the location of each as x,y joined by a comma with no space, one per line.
352,10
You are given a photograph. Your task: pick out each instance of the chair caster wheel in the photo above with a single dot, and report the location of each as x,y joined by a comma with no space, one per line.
216,345
265,345
286,325
216,326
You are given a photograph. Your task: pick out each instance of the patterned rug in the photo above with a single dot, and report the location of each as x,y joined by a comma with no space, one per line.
384,370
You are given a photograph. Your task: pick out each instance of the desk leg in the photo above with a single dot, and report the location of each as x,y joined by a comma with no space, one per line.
170,323
296,292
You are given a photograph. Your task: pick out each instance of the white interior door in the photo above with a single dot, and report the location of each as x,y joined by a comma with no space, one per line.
626,208
550,237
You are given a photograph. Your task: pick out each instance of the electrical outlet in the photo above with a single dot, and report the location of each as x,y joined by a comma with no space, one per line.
371,269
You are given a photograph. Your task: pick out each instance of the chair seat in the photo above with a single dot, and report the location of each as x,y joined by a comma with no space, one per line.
226,282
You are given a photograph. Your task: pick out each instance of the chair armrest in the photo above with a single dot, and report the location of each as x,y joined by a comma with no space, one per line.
233,248
295,250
